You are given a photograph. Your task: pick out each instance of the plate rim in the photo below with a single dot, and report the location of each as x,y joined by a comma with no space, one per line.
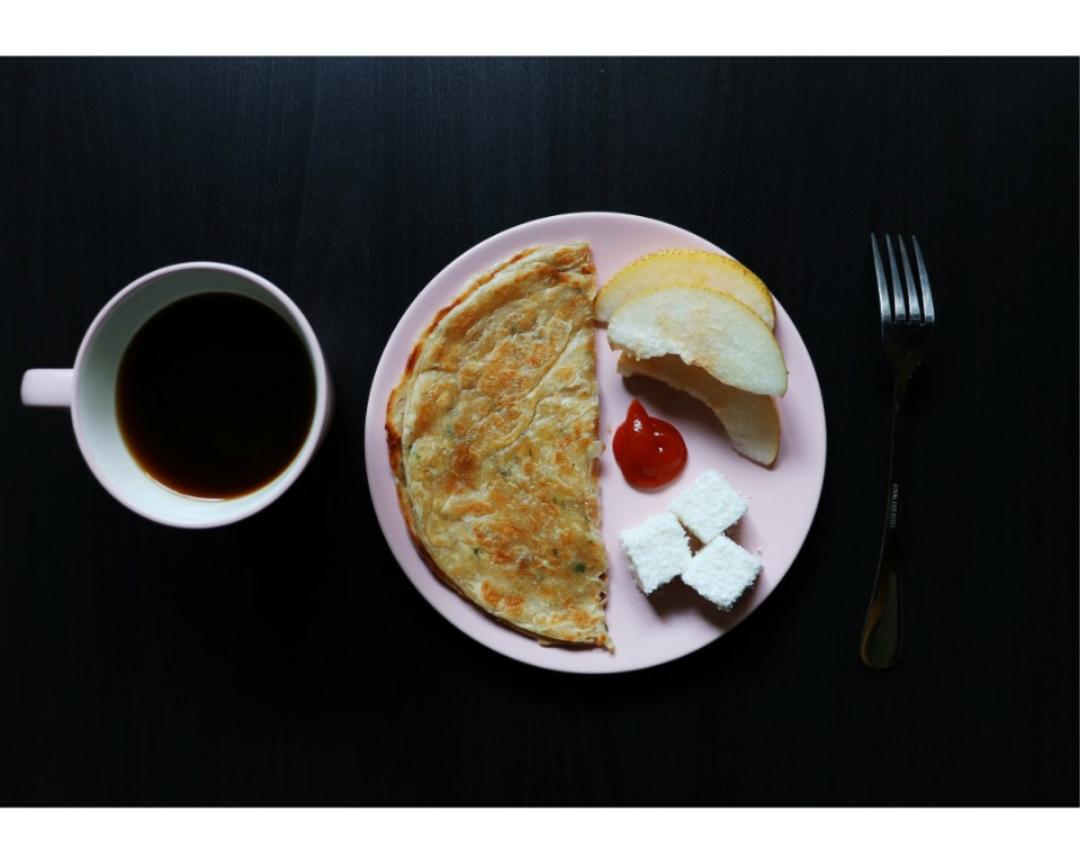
379,409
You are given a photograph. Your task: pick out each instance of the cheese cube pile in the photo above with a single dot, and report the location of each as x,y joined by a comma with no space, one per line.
658,550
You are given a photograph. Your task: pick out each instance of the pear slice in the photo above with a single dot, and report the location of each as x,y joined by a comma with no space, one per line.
712,331
752,421
692,268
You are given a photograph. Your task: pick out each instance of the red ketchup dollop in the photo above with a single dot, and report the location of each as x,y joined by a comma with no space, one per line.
650,451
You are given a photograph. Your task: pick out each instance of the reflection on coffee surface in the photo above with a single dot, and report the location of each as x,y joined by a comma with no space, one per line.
215,395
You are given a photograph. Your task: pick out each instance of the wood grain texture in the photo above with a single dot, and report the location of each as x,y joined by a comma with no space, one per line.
287,660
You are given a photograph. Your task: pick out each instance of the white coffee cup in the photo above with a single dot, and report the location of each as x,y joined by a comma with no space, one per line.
89,390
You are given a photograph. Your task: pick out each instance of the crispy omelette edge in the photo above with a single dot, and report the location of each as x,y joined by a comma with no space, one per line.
394,442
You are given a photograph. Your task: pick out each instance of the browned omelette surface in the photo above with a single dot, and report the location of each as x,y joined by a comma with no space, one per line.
493,438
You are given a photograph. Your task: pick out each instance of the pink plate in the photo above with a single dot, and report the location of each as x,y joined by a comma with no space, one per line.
646,632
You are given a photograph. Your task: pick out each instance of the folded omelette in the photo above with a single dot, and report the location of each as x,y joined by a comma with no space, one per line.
493,433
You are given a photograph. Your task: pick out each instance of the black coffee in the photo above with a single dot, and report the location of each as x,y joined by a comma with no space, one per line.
215,395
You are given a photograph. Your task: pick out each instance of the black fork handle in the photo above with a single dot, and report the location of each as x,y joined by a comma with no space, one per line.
883,631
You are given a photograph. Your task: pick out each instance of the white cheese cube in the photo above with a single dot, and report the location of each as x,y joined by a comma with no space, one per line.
658,549
722,571
709,507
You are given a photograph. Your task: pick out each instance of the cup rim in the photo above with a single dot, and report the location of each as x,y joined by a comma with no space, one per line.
288,474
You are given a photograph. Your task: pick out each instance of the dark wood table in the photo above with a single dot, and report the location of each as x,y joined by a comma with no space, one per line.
288,660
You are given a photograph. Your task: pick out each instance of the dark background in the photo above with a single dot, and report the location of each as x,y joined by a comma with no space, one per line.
287,659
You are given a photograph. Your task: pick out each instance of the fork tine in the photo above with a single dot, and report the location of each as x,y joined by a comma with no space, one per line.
914,314
924,284
882,287
899,309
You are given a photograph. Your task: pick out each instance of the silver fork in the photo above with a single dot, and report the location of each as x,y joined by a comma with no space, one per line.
907,328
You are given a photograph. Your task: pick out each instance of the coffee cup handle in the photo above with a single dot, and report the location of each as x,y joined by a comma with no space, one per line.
49,388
